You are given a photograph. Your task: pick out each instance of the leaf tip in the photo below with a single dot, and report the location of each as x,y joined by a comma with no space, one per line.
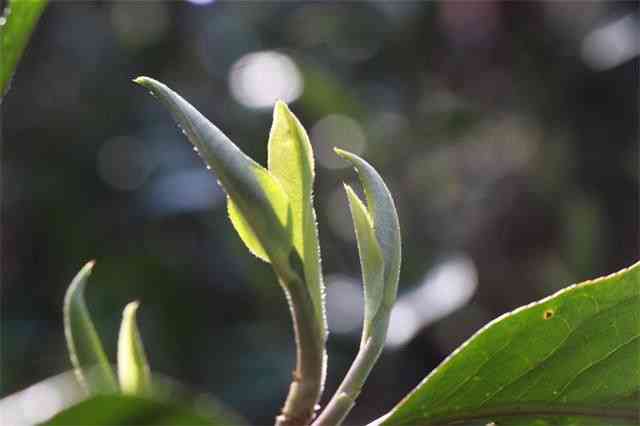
341,153
131,309
280,105
141,80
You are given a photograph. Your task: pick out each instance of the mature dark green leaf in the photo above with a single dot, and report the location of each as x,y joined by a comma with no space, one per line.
85,349
110,410
16,24
570,359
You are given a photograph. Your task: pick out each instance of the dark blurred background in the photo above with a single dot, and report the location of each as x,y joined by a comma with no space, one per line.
507,132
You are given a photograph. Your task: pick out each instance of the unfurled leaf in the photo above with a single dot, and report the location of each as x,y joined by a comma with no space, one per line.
133,368
85,349
17,21
382,221
260,207
291,162
572,359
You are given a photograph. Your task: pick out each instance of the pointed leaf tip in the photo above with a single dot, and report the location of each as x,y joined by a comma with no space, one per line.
87,355
133,368
259,210
291,163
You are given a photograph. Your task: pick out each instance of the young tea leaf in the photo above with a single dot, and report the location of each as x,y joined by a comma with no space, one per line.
259,208
378,235
85,349
291,162
133,368
571,359
371,260
384,218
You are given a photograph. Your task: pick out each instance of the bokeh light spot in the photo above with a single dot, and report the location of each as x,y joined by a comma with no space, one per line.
337,131
259,79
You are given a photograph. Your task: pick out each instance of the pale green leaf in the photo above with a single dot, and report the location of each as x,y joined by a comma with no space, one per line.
384,217
88,358
133,368
19,18
371,260
257,196
572,359
291,162
245,232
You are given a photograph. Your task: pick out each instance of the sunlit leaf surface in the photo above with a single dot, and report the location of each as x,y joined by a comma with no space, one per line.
570,359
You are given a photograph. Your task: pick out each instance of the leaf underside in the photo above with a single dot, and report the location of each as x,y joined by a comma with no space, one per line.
260,209
570,359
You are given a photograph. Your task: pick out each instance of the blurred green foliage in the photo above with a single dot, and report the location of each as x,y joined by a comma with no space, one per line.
17,20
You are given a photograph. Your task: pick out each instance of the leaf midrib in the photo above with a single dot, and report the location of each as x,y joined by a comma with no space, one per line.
494,414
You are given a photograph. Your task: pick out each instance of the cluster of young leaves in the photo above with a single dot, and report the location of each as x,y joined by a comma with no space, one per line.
570,359
87,354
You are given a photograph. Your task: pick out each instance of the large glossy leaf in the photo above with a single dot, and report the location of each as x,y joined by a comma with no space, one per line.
291,162
259,207
16,24
85,349
133,369
570,359
111,410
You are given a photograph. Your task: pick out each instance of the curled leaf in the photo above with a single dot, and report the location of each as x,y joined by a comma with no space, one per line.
259,207
371,260
378,235
381,220
133,368
88,358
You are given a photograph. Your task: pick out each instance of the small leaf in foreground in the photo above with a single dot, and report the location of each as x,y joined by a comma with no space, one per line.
133,368
85,349
110,410
570,359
